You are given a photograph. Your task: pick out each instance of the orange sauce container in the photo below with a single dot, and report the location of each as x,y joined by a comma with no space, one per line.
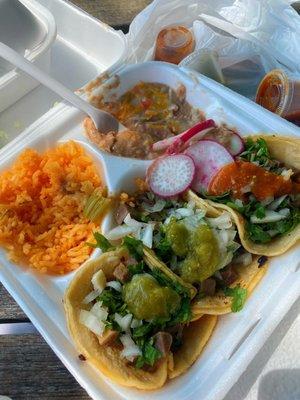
173,44
279,93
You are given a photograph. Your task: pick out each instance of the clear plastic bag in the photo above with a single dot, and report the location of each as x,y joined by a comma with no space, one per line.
251,37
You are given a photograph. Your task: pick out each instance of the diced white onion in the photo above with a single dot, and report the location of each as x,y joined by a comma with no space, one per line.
91,296
136,323
287,173
99,280
246,189
119,232
271,216
244,259
194,221
284,211
272,232
91,322
191,204
115,285
147,235
239,202
184,212
157,207
130,349
276,203
221,222
99,311
132,222
222,238
123,322
267,201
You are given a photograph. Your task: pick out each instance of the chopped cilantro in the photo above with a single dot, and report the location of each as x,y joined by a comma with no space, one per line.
257,152
101,242
257,233
136,268
141,330
260,233
134,246
184,314
238,295
163,249
150,354
260,211
163,280
112,299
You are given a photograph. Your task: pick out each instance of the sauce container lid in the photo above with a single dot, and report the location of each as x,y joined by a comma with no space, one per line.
275,92
174,43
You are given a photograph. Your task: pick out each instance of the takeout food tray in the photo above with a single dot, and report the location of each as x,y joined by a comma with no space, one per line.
237,337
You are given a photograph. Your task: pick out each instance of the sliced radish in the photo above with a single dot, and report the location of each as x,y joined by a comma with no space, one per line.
231,140
174,143
171,175
209,157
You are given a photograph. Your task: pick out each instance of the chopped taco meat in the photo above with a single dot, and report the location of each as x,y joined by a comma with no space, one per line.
108,337
228,275
208,286
121,213
121,272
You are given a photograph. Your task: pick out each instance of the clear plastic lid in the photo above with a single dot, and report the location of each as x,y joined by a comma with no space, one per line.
173,44
279,92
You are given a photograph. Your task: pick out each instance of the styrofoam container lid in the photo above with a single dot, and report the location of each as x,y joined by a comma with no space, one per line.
26,27
30,29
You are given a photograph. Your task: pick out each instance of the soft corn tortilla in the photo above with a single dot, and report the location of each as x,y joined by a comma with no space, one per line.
249,278
195,337
107,359
287,151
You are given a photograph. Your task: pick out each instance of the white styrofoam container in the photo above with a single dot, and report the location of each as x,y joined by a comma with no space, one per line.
33,38
238,337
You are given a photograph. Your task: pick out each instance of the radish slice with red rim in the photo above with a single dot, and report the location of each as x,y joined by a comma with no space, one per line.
171,175
209,157
231,140
173,144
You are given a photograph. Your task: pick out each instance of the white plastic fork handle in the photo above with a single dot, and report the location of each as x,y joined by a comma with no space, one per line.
104,121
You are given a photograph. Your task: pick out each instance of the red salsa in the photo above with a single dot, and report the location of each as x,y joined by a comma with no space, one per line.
242,177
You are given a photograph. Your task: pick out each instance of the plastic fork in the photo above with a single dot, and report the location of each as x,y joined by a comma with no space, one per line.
104,121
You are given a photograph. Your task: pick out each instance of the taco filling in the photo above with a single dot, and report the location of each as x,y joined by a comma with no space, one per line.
262,189
202,249
138,309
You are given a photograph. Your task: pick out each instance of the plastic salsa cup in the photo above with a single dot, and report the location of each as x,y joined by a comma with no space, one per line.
173,44
279,92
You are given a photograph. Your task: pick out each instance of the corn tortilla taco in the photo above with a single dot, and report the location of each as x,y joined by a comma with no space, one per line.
196,245
261,191
131,321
